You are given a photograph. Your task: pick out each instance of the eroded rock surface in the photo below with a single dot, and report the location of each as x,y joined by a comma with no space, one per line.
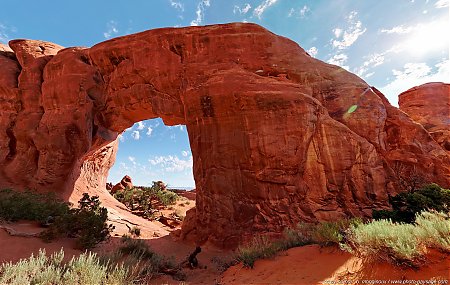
125,183
277,136
429,105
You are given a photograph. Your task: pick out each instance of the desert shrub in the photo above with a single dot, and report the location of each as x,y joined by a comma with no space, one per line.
140,198
222,263
399,243
299,235
434,229
258,248
323,233
150,263
160,192
29,205
41,269
87,223
406,205
135,231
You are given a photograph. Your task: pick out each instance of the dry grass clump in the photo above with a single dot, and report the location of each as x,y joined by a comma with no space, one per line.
399,243
84,269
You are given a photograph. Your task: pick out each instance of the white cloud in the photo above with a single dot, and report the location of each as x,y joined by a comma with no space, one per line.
140,126
371,61
304,10
415,70
177,5
337,32
301,12
420,39
397,30
149,131
4,33
262,7
184,153
350,34
112,29
441,4
339,59
132,158
201,6
313,51
414,74
121,138
136,135
244,10
171,163
291,12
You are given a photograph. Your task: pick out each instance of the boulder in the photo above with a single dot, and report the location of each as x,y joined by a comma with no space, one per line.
125,183
429,105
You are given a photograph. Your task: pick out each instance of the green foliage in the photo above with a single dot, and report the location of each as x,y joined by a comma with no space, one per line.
258,248
133,263
434,230
41,269
148,262
135,231
29,205
398,242
87,223
324,234
406,205
140,198
300,235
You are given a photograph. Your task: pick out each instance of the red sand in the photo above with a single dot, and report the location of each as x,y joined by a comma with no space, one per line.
315,265
302,265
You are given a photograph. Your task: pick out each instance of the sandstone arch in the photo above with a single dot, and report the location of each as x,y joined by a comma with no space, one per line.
272,140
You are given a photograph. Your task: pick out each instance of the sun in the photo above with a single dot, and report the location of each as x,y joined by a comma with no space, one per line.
429,38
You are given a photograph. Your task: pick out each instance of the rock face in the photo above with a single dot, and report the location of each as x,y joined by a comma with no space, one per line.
277,136
125,183
429,105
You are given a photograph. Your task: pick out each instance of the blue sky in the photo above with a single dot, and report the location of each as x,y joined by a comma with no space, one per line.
392,44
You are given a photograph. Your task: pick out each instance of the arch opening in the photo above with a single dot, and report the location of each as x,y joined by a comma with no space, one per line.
151,151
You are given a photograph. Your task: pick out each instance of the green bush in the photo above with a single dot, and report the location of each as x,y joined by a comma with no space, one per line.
133,263
87,223
258,248
434,230
85,269
406,205
398,242
324,234
140,198
148,263
29,205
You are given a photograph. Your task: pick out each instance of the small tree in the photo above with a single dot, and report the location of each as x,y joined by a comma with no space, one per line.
408,178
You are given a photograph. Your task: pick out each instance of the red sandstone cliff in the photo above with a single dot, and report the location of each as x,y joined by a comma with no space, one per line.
270,130
429,105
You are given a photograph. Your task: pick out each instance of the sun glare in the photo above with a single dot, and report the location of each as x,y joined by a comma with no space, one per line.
429,37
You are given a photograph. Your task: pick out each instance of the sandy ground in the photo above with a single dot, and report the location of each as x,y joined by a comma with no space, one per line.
302,265
315,265
161,238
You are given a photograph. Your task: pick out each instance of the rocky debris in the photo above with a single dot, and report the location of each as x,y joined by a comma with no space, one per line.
429,105
124,184
277,136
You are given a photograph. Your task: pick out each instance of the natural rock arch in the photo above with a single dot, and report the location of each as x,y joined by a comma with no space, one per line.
272,137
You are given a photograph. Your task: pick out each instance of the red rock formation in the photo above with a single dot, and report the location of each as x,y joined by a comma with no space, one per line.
277,136
125,183
429,105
